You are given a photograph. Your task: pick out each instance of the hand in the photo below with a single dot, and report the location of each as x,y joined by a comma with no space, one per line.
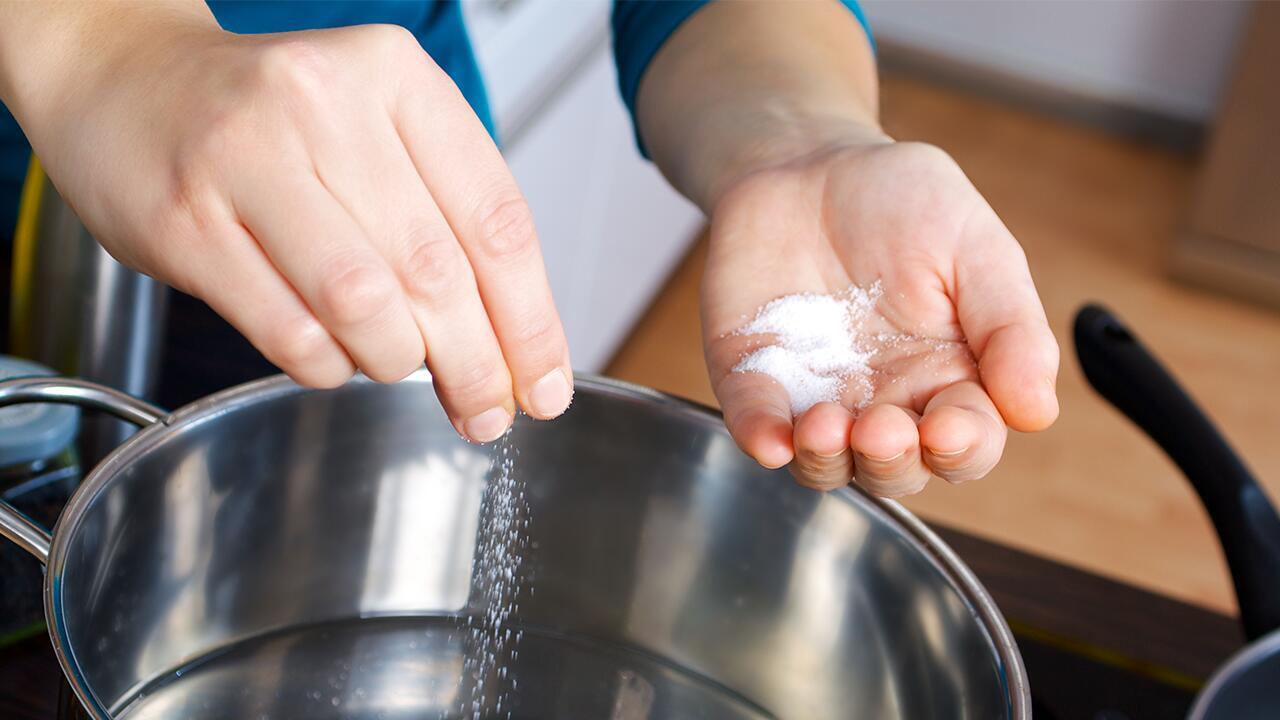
980,355
329,193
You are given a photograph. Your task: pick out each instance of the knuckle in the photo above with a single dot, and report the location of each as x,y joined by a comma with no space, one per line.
355,293
297,343
394,38
537,331
293,66
973,465
957,469
875,486
963,475
817,477
506,229
186,208
434,270
892,487
900,472
472,384
540,340
190,211
205,150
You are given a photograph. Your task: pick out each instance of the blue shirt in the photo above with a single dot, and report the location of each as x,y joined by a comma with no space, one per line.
639,29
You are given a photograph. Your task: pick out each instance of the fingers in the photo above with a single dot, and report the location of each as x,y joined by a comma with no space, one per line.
349,287
888,451
478,197
467,366
757,413
886,446
961,434
403,222
1005,325
959,438
238,281
1019,368
823,460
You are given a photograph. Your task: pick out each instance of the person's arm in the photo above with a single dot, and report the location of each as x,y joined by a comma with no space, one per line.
330,193
765,114
741,85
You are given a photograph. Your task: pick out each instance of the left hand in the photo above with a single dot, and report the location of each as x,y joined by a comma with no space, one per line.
954,278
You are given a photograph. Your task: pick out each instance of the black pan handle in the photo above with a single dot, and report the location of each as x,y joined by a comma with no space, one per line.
1132,380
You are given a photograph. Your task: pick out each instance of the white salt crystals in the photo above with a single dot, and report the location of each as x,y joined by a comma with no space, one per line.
816,353
497,581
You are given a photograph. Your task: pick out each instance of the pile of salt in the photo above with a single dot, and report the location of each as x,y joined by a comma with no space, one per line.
815,353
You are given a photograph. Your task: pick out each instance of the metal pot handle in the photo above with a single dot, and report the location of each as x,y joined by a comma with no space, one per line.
27,534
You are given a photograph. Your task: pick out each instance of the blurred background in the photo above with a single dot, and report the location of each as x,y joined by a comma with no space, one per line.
1130,146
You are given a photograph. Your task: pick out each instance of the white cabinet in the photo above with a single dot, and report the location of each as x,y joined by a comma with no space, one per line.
611,227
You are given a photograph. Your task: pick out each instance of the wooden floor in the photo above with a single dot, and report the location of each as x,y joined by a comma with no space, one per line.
1094,213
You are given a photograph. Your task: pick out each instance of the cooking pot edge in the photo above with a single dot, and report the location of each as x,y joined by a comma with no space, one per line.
974,593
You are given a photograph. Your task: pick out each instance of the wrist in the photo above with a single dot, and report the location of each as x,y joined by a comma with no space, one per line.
783,136
740,87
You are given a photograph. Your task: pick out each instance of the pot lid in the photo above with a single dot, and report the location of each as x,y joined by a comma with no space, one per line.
33,431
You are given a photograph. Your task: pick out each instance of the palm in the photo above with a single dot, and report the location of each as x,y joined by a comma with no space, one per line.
900,215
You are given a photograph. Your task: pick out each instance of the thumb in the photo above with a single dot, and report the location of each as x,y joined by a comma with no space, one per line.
1005,325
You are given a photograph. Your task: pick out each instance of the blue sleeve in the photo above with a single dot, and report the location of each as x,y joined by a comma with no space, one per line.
640,27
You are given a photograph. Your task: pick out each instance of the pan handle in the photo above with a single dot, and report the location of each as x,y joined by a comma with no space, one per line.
1130,378
19,528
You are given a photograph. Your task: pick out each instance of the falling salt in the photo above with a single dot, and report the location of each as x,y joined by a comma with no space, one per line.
496,583
816,352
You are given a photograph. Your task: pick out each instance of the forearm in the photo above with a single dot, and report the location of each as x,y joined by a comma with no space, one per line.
746,85
51,48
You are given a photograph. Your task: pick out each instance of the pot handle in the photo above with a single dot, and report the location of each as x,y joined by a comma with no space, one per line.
1130,378
19,528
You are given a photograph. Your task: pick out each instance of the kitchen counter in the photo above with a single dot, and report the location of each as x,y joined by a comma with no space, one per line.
1095,649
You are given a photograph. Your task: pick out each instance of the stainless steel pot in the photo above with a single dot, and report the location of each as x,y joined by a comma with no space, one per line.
279,552
79,311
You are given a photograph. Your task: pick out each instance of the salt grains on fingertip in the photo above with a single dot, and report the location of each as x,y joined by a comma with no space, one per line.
815,353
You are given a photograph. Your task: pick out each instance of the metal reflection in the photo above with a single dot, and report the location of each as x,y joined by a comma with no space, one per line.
423,535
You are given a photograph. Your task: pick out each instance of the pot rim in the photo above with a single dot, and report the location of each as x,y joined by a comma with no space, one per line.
982,605
1240,661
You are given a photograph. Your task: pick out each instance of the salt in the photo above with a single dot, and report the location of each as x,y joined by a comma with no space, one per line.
496,582
816,352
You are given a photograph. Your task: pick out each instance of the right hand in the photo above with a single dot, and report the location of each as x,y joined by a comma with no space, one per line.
330,193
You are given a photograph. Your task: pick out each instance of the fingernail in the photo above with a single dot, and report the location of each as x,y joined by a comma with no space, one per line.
883,459
488,425
825,456
950,454
550,396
